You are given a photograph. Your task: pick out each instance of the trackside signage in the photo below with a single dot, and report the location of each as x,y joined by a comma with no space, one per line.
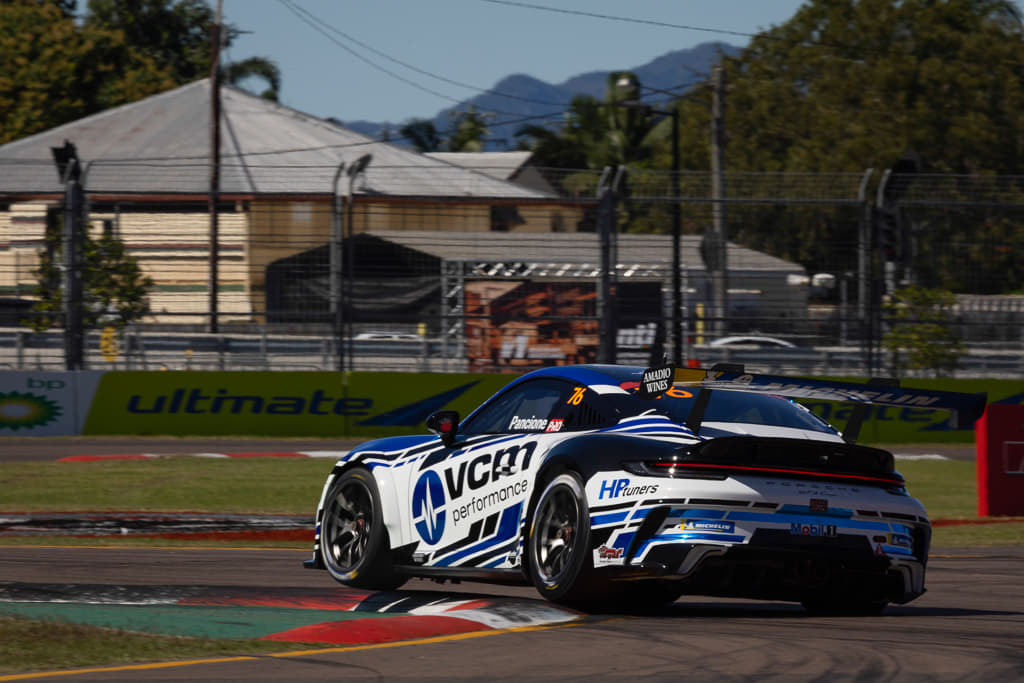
314,404
45,403
321,404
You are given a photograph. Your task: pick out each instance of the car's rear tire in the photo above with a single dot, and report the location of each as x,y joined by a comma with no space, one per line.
354,543
559,558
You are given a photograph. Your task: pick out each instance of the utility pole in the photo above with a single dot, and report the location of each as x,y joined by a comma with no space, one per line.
720,271
215,41
607,228
69,170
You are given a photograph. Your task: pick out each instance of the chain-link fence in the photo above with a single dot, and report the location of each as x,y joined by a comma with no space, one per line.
540,272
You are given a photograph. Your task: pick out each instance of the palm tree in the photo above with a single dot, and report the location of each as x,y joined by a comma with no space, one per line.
470,130
254,67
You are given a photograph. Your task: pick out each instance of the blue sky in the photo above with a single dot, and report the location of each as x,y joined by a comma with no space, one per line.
412,58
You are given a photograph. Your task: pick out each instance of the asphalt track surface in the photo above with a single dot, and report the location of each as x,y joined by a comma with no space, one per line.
967,627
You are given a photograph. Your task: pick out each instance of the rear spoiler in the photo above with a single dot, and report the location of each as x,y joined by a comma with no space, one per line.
964,408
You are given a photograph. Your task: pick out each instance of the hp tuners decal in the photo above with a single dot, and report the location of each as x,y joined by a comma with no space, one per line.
428,503
25,410
614,488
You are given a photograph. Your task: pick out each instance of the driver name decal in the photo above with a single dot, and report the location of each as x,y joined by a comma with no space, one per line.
528,424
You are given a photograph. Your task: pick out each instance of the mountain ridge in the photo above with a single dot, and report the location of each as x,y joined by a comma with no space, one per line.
519,99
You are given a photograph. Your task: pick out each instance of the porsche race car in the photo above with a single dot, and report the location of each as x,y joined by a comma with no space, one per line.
615,485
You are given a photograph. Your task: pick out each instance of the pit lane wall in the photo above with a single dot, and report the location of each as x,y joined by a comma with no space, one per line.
330,404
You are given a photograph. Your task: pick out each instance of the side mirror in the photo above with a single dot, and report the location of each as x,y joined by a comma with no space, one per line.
444,423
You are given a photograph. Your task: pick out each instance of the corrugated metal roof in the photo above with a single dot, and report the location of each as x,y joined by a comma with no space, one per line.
501,165
576,247
161,145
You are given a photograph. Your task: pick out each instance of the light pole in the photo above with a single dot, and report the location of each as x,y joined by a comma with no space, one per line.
716,258
720,272
353,172
677,219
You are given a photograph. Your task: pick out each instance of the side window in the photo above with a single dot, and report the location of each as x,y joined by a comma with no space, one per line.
526,408
583,409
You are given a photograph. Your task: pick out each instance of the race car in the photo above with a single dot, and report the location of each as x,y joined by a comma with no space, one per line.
611,486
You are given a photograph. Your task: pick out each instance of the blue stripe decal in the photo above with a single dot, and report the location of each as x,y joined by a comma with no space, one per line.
702,514
612,518
897,550
624,540
507,528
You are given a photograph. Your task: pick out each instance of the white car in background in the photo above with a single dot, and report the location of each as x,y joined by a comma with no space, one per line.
752,341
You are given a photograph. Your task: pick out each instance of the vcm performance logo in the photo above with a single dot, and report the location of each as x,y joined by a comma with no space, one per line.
428,502
25,410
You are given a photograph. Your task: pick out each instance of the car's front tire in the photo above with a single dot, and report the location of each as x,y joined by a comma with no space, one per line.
354,543
559,558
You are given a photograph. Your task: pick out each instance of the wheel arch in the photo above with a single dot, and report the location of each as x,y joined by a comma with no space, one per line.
586,455
390,503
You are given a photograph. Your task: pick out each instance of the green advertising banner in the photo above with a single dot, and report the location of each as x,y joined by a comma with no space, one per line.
889,425
370,404
299,404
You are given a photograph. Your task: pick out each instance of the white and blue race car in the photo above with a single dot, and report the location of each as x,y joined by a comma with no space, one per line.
606,485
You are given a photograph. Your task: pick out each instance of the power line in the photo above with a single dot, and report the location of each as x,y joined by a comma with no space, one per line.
314,23
631,20
320,25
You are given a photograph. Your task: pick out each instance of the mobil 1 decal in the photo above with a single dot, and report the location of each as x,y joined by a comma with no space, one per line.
469,485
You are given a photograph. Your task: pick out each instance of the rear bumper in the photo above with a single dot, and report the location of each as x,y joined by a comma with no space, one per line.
789,574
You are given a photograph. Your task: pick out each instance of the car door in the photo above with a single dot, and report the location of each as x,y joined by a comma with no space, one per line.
467,502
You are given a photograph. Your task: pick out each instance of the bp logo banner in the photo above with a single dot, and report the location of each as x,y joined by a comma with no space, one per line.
45,403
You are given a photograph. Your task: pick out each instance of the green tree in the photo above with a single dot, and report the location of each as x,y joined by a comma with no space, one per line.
172,34
53,69
114,289
920,336
58,70
847,85
469,131
423,135
262,68
594,133
850,84
597,134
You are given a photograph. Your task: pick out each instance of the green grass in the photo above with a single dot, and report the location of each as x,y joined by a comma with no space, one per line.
255,485
37,644
948,489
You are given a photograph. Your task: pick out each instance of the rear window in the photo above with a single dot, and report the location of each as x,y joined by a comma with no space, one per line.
732,406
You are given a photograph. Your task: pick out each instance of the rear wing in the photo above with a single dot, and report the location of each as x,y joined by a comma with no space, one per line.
964,408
